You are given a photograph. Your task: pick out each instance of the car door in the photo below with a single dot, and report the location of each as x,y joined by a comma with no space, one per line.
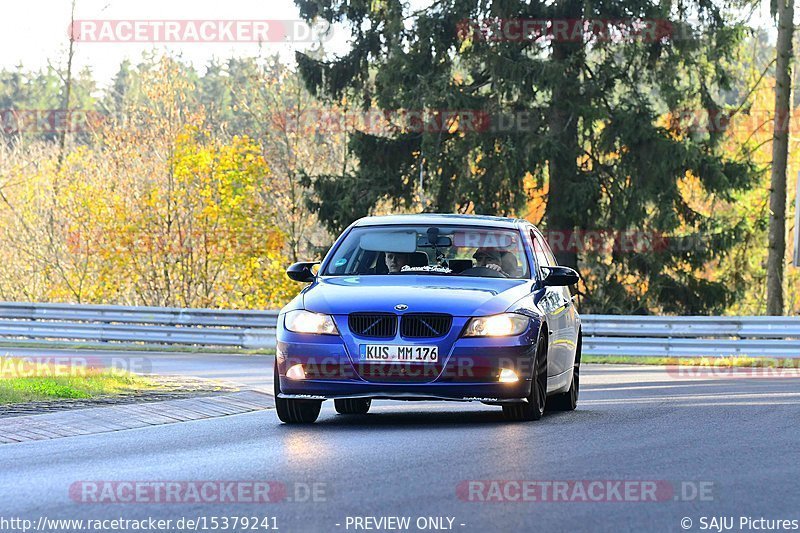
556,304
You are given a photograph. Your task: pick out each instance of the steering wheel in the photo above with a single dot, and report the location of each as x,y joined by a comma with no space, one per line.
483,272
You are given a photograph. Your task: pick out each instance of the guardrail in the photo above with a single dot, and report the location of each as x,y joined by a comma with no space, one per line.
102,324
603,334
691,336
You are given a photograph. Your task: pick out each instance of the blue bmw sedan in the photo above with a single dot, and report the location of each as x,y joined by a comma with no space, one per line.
430,307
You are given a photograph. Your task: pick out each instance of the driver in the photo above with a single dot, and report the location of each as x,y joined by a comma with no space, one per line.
395,261
488,258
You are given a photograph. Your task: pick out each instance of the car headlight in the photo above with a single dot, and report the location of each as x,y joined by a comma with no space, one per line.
502,325
302,321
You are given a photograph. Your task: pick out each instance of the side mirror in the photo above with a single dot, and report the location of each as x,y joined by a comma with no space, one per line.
558,276
302,272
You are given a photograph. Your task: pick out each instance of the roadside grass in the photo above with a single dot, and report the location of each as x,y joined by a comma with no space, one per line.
733,361
26,381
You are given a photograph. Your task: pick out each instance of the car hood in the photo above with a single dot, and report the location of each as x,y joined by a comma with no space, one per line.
458,296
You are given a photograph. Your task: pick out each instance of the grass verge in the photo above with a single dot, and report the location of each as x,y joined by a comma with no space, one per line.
23,381
734,361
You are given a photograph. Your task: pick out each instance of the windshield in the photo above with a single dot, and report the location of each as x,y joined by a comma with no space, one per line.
438,250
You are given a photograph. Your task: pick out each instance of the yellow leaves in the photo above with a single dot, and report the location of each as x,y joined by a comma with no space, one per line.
158,214
218,201
377,6
467,34
535,208
694,194
475,168
453,126
161,210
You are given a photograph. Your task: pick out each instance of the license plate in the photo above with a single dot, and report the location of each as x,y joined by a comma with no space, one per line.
393,352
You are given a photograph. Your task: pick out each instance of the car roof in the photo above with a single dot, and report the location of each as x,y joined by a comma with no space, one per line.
441,218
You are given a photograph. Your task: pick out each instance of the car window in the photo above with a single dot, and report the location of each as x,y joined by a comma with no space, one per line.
540,250
439,250
551,259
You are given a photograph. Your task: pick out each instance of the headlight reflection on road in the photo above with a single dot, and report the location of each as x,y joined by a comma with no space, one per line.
306,448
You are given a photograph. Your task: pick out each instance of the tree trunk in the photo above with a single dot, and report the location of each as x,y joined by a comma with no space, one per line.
780,148
68,87
562,213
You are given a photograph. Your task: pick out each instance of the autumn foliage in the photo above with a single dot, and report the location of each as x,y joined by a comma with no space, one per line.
155,210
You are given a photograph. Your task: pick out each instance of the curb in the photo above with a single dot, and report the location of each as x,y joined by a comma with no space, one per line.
131,416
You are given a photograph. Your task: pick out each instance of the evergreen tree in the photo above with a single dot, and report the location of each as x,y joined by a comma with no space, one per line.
215,95
120,91
593,136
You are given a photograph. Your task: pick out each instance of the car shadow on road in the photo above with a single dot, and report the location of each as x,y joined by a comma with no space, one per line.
456,419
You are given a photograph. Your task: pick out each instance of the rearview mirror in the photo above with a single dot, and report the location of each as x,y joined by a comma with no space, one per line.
442,241
302,272
559,276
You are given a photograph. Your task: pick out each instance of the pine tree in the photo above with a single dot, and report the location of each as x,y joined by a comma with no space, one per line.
588,126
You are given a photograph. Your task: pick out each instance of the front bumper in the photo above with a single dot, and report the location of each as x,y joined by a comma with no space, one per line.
487,394
469,370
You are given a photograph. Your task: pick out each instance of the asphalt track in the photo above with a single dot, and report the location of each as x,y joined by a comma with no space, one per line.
712,444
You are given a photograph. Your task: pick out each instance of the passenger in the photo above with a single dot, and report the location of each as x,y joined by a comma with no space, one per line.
510,265
395,261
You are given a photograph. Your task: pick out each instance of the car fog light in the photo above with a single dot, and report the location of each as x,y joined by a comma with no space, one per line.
508,376
296,372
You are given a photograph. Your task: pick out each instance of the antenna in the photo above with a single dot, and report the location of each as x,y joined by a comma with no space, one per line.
422,199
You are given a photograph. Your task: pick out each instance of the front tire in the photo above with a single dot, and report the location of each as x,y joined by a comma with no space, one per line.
533,409
568,401
352,406
295,411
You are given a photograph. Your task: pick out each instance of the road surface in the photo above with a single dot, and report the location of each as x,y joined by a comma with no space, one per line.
711,445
